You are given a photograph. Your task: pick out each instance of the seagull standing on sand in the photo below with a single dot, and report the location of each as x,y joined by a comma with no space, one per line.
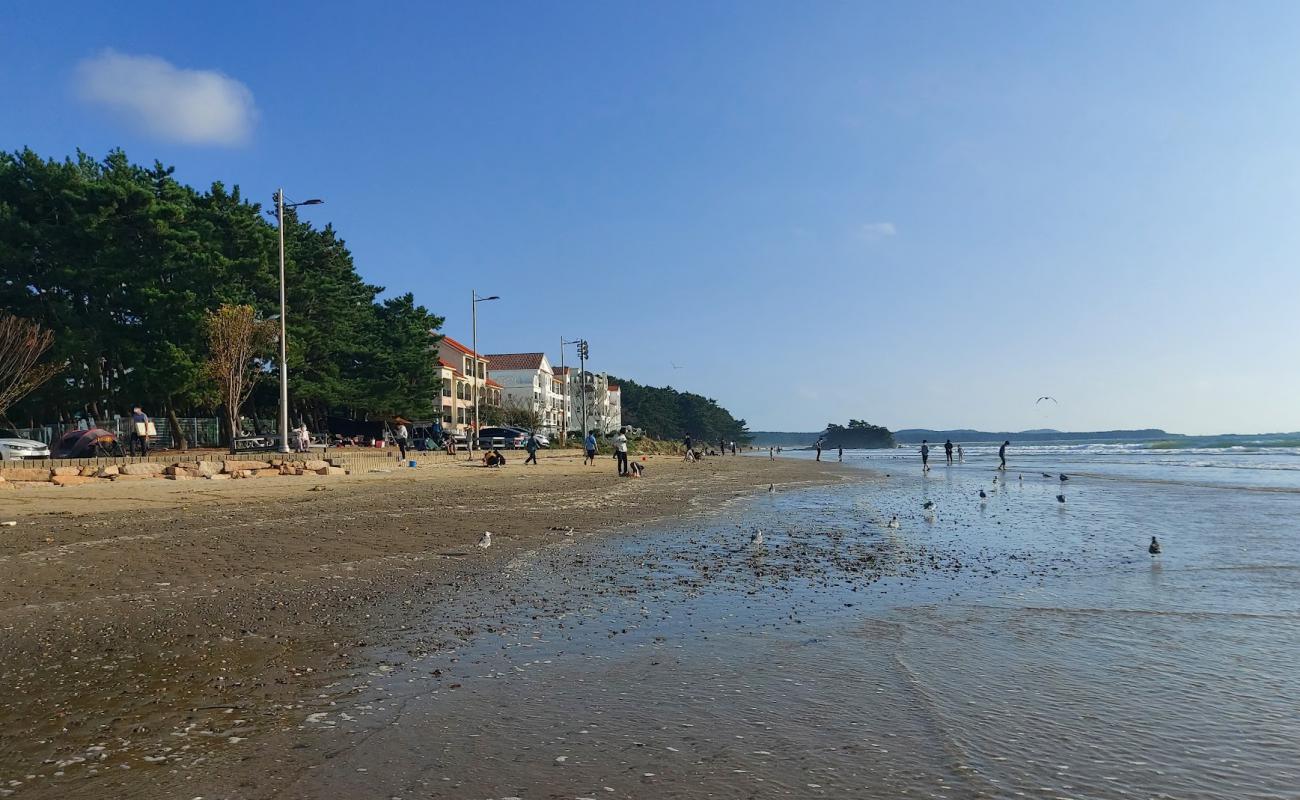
893,523
757,539
1047,474
983,496
1154,547
928,505
1060,498
1064,477
485,541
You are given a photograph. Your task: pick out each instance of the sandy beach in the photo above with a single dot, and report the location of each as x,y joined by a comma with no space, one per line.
157,633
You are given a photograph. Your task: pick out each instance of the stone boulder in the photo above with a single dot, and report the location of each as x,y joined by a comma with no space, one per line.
72,480
266,472
315,465
108,471
146,468
59,472
209,468
27,474
243,466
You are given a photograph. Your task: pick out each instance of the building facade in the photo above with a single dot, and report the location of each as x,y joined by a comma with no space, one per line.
462,371
591,396
529,382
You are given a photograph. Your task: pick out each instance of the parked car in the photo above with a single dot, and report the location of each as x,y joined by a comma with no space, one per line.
507,438
16,448
542,439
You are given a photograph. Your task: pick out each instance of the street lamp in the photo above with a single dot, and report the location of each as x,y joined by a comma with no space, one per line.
474,359
280,206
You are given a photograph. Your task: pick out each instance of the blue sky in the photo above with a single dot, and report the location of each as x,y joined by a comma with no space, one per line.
920,214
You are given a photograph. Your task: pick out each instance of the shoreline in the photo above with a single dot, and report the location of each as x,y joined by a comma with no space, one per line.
127,623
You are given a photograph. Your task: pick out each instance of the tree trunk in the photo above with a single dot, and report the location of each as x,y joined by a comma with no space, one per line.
178,433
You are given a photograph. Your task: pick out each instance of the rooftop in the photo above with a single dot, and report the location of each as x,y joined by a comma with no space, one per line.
505,361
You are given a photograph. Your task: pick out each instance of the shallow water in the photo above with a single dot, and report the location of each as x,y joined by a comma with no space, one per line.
1015,647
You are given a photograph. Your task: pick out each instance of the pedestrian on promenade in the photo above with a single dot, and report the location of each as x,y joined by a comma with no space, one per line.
1002,455
531,446
925,456
589,445
620,451
401,437
947,451
139,432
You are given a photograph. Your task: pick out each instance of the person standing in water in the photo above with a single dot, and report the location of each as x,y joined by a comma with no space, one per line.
819,449
947,451
841,454
925,456
961,457
1002,455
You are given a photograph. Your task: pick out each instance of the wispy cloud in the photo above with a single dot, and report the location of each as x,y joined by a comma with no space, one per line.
191,106
875,231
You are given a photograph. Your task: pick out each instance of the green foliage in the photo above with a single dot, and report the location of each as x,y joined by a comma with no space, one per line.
858,434
665,413
123,262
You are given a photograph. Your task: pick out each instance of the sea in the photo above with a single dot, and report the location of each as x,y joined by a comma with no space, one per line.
893,634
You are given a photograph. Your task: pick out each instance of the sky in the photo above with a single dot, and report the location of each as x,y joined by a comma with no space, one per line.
918,214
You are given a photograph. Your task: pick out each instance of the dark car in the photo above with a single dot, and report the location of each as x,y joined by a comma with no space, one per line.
507,438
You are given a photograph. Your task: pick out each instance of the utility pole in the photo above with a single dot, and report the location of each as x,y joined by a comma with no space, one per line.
474,362
568,387
582,381
280,205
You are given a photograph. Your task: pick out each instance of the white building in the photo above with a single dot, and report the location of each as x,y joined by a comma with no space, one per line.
594,396
528,381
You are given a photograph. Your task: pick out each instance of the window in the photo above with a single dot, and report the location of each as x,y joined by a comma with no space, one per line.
446,389
468,365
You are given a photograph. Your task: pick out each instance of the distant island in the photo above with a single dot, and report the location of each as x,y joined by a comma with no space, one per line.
857,435
915,435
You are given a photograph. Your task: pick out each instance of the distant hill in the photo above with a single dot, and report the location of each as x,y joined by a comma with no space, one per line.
783,438
915,435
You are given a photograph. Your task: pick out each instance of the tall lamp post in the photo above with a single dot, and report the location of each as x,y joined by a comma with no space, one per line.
564,438
474,359
280,206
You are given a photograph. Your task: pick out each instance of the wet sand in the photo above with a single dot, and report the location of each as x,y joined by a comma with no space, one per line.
169,639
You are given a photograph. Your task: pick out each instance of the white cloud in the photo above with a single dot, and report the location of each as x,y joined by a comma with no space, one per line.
192,106
875,231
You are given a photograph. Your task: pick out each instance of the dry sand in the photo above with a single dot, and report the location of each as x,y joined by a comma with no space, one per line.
150,628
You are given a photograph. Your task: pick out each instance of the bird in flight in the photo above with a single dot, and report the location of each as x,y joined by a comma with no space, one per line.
1045,397
675,366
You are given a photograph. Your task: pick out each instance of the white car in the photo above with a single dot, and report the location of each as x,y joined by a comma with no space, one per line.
15,448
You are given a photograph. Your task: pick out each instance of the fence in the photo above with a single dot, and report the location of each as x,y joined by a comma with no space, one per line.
199,431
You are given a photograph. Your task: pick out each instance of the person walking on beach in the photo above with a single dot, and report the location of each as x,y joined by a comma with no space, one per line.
947,451
139,432
1002,454
620,451
531,446
689,449
925,456
819,449
961,457
722,447
841,454
401,436
589,445
771,454
733,448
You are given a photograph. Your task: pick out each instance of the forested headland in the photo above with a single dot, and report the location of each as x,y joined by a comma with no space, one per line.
666,413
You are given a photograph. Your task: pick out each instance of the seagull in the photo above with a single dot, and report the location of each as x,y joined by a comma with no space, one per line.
757,538
485,541
1045,397
1154,547
893,523
1064,477
1046,475
1060,498
982,495
1020,477
928,505
995,480
674,365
